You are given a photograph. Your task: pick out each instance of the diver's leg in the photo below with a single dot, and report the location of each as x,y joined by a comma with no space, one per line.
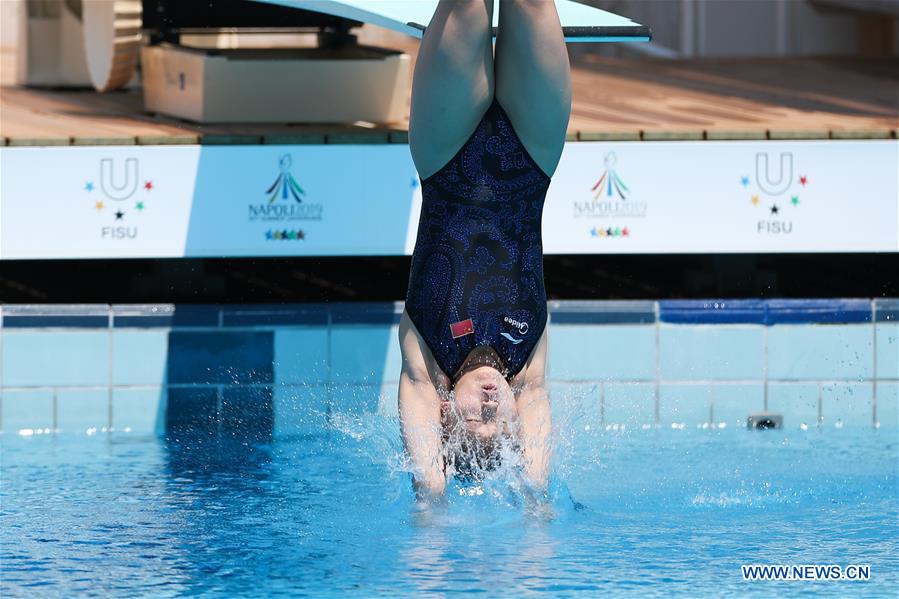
453,81
533,77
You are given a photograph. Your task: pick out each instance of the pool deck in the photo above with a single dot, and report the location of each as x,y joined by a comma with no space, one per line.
615,99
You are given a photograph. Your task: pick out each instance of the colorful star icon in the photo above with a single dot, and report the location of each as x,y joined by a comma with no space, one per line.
89,186
119,214
99,205
795,200
755,200
139,205
148,185
744,181
284,235
803,180
774,209
625,232
593,232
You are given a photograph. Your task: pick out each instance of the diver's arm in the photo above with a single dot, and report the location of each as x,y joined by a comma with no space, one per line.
535,418
534,427
419,411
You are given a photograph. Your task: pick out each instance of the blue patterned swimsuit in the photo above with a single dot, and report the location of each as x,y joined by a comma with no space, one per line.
479,251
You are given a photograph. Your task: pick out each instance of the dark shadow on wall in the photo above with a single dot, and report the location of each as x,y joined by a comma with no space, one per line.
376,279
220,386
231,371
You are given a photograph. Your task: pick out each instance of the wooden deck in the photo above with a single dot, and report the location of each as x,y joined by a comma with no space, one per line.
614,99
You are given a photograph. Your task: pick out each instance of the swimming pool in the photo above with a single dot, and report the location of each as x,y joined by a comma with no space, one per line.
638,513
255,450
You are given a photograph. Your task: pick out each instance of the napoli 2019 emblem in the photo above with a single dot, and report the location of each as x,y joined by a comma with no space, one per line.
285,184
610,180
283,204
610,200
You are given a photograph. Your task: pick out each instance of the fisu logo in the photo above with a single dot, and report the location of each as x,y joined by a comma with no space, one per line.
766,181
775,190
108,183
119,181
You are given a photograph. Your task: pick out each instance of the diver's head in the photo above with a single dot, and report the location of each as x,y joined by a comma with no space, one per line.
477,395
477,417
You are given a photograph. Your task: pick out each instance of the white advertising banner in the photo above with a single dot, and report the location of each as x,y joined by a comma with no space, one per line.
103,202
719,197
346,200
326,200
209,201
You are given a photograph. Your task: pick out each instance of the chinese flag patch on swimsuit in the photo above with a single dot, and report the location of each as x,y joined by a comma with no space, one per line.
462,328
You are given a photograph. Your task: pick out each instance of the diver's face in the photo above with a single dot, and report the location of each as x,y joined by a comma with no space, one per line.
483,406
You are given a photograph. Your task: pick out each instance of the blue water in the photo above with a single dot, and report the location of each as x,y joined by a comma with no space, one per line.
634,513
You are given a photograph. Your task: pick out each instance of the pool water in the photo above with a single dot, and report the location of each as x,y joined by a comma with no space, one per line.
330,512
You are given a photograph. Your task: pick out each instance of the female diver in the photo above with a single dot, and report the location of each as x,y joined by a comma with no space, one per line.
486,133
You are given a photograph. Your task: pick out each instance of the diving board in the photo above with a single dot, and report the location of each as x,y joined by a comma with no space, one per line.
580,23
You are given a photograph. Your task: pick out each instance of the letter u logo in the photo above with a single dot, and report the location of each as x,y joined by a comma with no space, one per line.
109,182
763,177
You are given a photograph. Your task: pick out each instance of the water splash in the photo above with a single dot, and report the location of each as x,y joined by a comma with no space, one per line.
377,439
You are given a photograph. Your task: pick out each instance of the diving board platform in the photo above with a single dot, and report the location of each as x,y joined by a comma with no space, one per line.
580,23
